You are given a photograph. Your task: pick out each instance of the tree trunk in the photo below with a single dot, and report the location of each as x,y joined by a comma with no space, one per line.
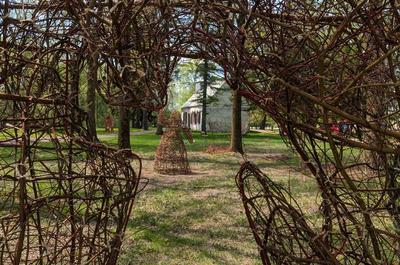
263,122
75,78
123,130
145,120
159,130
138,118
204,99
91,96
133,118
236,131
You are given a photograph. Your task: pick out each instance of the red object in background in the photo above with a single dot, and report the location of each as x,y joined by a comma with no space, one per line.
109,123
334,128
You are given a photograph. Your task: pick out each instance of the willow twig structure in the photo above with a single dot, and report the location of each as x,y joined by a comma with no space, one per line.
313,66
171,156
64,199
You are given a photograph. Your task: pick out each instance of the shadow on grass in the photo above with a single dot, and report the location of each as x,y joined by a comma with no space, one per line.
188,227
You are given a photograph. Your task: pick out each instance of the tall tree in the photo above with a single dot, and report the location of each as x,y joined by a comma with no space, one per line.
183,84
145,120
159,130
236,131
189,73
263,122
204,92
92,83
133,118
75,79
137,113
204,98
124,141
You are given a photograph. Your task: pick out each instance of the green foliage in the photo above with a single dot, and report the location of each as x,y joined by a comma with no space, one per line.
187,74
184,83
214,74
102,109
257,115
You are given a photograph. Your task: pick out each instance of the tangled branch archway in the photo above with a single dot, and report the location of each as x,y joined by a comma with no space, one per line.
307,64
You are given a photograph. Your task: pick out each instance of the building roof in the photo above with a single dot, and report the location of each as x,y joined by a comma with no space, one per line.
195,99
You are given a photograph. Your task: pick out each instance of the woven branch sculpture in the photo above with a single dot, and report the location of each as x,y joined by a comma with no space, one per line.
278,223
171,157
308,64
63,198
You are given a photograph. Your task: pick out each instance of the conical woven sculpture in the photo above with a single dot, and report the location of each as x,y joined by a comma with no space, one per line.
171,156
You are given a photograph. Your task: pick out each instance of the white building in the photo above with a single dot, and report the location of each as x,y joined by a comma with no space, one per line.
219,111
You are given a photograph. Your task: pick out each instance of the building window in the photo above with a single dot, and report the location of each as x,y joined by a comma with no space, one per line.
199,118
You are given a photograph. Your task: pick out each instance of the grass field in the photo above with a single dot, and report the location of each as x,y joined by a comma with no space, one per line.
199,218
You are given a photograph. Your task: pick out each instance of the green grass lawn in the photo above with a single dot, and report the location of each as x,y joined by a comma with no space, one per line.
102,131
147,144
199,218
